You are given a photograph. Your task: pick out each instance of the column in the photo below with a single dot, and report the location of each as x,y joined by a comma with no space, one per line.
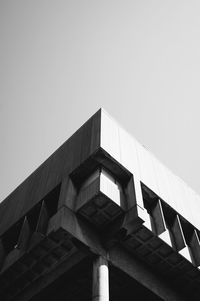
100,289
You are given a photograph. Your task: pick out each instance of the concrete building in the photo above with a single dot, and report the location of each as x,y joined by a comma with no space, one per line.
101,219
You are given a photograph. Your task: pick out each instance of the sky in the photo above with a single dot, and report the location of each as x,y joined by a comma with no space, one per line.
60,61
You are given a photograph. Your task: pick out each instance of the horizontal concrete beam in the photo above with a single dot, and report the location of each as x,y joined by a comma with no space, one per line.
143,274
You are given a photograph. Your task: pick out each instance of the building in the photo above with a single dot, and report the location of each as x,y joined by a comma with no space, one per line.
101,219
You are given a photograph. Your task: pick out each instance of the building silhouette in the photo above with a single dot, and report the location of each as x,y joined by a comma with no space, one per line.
101,219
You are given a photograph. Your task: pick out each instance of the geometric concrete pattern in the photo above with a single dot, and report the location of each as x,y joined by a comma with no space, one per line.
93,222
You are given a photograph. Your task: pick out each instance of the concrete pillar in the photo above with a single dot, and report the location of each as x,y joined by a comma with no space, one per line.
100,289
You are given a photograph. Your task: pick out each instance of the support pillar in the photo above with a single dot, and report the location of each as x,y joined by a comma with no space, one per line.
100,289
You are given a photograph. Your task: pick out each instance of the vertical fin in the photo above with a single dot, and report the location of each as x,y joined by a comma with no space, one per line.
43,219
24,235
2,252
195,248
158,218
178,236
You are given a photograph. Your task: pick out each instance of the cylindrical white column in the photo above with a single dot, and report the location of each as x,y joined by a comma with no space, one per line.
100,280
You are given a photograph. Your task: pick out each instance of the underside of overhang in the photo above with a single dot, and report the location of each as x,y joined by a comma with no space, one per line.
76,285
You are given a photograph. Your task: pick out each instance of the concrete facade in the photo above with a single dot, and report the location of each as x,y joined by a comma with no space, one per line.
101,219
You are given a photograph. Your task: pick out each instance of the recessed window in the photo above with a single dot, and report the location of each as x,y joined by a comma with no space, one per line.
95,175
10,238
50,201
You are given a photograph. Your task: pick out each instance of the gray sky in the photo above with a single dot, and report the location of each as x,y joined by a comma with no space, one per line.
60,61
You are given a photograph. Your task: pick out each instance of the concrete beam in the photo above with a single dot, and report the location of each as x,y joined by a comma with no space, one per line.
143,274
